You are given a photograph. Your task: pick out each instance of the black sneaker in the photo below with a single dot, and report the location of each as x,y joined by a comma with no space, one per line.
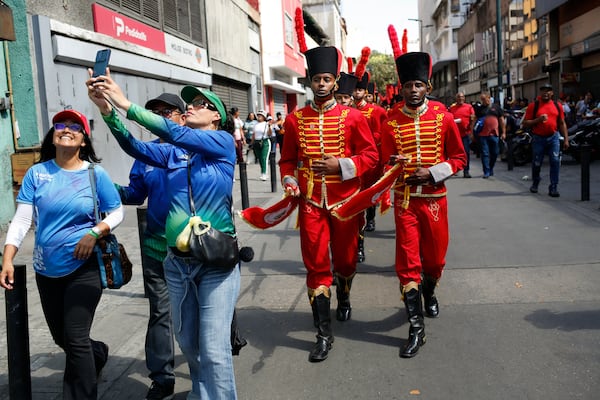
534,188
552,191
160,392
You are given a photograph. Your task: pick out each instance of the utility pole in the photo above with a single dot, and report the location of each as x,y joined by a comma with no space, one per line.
499,43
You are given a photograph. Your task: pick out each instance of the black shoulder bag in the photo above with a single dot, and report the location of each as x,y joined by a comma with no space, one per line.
207,244
115,267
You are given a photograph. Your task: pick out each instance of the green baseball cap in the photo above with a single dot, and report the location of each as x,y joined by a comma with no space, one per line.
189,93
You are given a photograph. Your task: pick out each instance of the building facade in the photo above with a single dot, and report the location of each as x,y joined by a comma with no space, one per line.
157,46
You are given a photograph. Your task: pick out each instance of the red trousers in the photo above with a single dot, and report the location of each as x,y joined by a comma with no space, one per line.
421,238
322,234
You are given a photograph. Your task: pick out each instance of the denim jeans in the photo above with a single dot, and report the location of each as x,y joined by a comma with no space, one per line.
466,140
540,146
489,153
202,303
160,350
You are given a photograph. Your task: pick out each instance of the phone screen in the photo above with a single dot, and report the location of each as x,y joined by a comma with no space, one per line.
102,59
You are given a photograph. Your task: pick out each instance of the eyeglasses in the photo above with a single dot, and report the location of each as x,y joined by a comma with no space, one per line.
165,113
200,103
75,128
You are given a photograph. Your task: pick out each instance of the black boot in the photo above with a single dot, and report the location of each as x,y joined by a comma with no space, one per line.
342,289
320,351
370,215
361,247
432,307
416,333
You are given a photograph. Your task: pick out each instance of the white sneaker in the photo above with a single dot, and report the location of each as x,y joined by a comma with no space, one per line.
263,177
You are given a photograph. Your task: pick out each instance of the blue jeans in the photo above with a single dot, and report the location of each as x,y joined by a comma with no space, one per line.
541,145
466,140
160,350
489,153
202,303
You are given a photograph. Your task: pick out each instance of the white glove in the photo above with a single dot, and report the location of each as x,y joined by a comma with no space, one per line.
290,186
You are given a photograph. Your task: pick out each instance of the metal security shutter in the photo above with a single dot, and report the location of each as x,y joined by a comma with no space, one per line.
234,94
279,102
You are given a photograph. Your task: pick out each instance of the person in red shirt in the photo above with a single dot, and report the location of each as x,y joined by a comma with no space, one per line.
493,128
464,116
423,131
546,120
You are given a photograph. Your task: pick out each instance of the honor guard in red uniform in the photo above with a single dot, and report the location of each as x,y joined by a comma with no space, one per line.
423,131
326,150
375,116
345,87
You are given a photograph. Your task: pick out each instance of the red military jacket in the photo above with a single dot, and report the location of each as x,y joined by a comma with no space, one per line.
375,116
340,131
430,137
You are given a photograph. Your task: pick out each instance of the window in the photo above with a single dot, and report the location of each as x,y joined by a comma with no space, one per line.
289,30
181,18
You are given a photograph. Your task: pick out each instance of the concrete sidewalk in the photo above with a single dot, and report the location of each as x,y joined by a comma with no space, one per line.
519,304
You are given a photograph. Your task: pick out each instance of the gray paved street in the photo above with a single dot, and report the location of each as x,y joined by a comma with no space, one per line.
520,307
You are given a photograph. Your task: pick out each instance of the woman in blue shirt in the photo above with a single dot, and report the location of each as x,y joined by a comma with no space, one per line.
202,296
56,195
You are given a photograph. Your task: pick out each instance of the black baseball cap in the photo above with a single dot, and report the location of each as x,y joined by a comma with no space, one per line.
167,98
546,86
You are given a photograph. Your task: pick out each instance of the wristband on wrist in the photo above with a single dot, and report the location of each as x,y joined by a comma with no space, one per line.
94,234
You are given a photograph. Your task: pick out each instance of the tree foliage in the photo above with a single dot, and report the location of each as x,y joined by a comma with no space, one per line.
383,70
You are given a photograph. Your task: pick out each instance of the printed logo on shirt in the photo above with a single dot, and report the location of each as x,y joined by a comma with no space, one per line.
43,177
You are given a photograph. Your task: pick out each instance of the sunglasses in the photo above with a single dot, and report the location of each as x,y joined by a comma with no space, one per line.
200,103
165,113
75,128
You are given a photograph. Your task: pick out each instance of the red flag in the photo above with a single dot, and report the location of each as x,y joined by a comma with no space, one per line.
371,196
267,218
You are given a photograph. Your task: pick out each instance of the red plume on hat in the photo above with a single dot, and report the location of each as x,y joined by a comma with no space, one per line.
350,64
405,41
361,67
394,40
299,20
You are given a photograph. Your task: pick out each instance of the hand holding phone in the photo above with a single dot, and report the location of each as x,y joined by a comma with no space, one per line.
102,59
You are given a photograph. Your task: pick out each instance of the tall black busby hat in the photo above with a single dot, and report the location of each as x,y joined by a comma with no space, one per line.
346,83
322,60
361,69
414,66
371,87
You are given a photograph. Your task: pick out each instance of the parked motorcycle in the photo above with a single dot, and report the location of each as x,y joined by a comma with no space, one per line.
584,133
518,139
521,148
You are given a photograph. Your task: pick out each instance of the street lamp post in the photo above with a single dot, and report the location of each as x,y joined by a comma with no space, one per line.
420,21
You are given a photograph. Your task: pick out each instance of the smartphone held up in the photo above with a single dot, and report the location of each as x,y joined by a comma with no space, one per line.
102,59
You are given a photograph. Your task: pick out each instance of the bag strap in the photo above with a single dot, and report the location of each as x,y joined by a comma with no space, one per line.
189,179
92,174
191,195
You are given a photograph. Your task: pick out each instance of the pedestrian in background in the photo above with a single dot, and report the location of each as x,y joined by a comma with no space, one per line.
546,119
464,116
492,131
424,131
248,130
200,164
327,148
261,142
238,134
150,182
56,195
